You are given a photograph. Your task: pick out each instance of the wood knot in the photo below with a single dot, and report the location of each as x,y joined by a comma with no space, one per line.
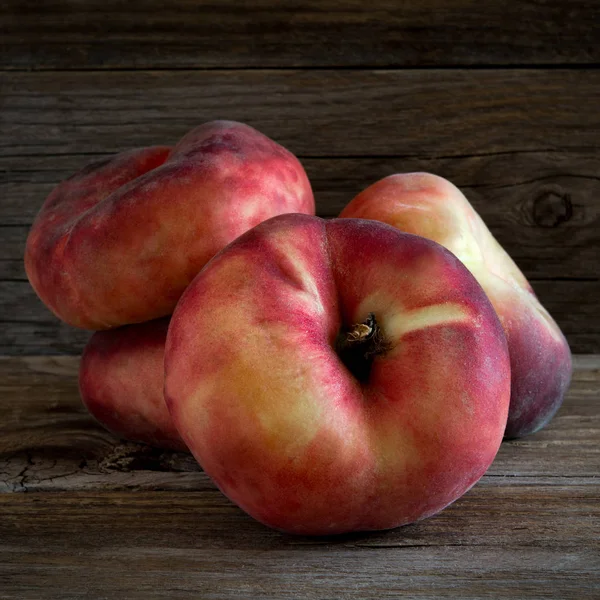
131,456
551,208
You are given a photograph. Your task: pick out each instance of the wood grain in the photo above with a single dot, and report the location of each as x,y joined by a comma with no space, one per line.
499,544
22,337
123,520
63,34
423,113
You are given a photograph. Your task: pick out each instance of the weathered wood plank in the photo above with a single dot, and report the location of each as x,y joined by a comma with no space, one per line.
313,113
50,336
48,442
61,34
26,181
527,515
12,248
28,327
542,206
493,543
574,305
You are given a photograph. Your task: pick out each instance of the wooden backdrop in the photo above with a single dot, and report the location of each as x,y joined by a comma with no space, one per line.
500,97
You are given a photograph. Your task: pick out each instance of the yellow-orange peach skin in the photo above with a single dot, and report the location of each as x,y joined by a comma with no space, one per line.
430,206
118,242
121,381
257,388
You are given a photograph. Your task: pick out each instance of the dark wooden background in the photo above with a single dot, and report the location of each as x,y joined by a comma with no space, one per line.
500,97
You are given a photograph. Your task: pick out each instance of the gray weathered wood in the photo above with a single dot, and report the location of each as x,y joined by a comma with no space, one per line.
170,546
98,34
505,543
123,520
313,113
49,336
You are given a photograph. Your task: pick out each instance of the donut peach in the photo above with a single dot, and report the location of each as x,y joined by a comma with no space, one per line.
540,359
118,242
121,380
335,376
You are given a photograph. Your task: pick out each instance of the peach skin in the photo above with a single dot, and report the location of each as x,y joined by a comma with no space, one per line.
430,206
121,380
118,242
335,376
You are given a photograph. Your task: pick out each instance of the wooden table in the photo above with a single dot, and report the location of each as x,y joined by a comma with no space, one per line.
88,516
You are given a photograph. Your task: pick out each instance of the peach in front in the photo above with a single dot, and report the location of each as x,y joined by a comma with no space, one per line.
337,376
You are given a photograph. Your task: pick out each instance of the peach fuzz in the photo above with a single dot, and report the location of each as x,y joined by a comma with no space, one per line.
121,380
118,242
427,205
333,376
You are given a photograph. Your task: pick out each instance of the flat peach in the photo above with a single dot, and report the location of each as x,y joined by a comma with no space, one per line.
427,205
118,242
333,376
121,380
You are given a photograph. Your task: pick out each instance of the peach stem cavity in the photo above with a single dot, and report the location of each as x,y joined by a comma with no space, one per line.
359,345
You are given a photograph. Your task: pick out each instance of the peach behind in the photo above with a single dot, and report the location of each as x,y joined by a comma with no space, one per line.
118,242
430,206
121,380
